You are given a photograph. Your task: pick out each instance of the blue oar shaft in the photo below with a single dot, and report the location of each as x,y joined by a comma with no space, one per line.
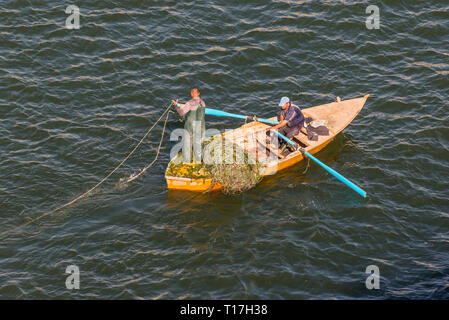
214,112
328,169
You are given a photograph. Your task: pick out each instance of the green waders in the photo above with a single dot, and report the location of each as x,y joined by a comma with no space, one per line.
195,128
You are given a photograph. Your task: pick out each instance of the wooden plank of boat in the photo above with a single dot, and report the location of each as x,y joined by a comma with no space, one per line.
268,147
338,115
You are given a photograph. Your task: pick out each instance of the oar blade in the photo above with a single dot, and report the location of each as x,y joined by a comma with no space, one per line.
338,176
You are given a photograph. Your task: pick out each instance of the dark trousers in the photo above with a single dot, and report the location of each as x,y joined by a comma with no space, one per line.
289,132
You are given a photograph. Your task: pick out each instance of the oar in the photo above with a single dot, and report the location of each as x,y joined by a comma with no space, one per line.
328,169
219,113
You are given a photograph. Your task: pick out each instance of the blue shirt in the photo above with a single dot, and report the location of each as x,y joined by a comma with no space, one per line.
293,115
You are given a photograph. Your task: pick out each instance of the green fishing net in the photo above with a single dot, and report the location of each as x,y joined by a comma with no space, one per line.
225,162
234,169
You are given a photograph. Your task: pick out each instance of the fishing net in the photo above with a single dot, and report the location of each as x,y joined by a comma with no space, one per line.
231,166
225,162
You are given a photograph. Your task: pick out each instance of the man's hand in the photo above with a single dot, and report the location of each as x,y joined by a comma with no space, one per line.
280,125
268,129
175,102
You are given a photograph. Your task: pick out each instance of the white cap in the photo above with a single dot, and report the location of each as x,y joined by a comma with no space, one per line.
284,100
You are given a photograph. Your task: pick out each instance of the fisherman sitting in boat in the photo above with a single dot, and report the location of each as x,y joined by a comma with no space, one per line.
291,120
194,126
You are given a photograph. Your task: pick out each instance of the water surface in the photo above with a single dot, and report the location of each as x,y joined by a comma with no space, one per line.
73,103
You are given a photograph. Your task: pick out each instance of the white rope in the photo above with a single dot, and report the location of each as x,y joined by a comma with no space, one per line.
110,174
157,154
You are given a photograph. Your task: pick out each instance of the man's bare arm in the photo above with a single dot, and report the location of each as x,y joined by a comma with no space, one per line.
179,107
279,125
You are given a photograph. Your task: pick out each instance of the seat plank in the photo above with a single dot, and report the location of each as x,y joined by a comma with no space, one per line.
276,152
302,137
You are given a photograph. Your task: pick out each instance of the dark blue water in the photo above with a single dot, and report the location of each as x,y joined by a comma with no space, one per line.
73,103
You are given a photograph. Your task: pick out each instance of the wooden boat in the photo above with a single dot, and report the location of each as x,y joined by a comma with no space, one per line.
338,115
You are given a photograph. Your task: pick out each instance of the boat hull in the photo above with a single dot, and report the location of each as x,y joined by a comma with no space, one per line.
198,185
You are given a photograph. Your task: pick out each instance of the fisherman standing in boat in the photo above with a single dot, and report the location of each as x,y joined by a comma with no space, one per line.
194,126
291,120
